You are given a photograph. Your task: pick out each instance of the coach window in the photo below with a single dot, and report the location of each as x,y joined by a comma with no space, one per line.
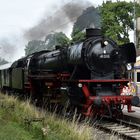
138,76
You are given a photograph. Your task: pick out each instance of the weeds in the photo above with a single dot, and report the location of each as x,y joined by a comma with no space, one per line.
22,121
53,128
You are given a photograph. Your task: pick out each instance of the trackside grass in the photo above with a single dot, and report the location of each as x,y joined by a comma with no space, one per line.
16,123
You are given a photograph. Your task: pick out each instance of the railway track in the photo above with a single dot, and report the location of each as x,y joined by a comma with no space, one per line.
124,129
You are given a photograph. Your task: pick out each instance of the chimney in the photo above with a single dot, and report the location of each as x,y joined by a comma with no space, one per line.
93,32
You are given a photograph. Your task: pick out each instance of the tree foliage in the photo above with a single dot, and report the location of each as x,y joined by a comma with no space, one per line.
34,46
49,44
58,38
78,35
117,20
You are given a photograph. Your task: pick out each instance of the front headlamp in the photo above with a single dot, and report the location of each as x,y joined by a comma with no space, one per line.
129,66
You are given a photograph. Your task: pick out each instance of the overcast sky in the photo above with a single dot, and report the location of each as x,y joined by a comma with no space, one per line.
17,16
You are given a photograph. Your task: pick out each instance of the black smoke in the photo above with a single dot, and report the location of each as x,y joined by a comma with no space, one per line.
67,13
89,18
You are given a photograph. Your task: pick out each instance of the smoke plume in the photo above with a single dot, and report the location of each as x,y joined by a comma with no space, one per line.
12,47
7,49
68,13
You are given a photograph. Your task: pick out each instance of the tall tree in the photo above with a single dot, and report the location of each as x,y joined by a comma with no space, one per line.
50,42
57,38
117,19
34,46
78,36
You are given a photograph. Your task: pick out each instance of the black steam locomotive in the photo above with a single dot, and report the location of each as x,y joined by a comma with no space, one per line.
90,75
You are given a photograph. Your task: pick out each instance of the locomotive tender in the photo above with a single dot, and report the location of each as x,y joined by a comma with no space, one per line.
90,75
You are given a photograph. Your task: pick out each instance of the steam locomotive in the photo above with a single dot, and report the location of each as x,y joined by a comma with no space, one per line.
90,75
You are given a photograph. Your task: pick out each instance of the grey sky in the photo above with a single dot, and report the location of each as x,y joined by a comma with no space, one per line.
17,16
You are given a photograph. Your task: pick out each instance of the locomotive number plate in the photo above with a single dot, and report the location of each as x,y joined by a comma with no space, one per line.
104,56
